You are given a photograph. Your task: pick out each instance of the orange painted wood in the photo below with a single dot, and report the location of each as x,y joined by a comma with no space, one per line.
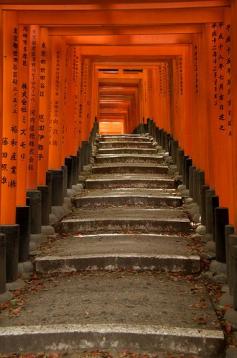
33,114
112,127
57,70
128,39
23,114
73,5
44,107
123,17
10,119
234,104
126,30
1,97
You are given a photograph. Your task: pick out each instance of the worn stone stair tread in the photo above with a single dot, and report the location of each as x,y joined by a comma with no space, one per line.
137,252
147,244
136,310
131,176
131,180
127,192
103,139
112,262
128,213
127,150
127,197
143,165
128,158
129,167
133,156
116,219
136,338
127,143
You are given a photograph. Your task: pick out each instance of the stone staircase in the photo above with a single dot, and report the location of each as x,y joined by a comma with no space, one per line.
122,275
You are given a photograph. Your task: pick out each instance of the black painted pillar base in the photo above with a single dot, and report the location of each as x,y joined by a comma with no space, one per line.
221,220
69,164
88,152
187,164
57,187
74,170
64,169
229,234
83,154
45,207
78,163
3,253
174,149
234,272
12,233
195,185
35,210
49,183
200,183
209,210
204,188
180,158
191,180
23,219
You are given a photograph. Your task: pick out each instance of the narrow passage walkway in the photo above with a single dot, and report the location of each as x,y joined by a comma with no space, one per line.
123,273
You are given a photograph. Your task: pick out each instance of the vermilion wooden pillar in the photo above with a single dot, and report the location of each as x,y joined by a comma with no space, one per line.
220,132
67,105
9,119
1,86
44,107
234,103
23,114
33,115
76,77
84,100
57,68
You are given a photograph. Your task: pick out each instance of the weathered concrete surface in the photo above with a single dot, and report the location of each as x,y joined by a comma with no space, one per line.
119,243
118,297
124,138
116,338
128,158
121,167
127,144
126,220
109,262
126,197
138,311
127,151
129,181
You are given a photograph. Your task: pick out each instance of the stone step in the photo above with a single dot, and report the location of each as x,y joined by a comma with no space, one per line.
128,158
122,138
126,197
126,144
127,151
113,262
126,220
129,168
130,181
119,251
114,312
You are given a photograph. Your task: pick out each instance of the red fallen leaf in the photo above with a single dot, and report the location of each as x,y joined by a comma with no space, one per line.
201,320
54,355
16,312
228,327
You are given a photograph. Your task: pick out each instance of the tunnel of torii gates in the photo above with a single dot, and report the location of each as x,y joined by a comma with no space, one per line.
65,63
